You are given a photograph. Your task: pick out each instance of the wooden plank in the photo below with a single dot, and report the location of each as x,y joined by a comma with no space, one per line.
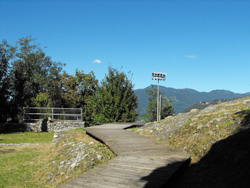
104,180
140,162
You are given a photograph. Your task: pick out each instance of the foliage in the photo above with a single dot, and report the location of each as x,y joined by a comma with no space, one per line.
34,80
166,105
6,53
41,100
87,95
116,98
30,75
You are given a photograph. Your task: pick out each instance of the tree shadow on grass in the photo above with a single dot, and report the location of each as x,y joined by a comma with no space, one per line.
226,165
12,128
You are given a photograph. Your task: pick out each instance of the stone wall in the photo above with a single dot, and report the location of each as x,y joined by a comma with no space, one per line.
41,126
58,126
35,126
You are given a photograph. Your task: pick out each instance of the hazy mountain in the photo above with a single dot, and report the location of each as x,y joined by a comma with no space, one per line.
183,98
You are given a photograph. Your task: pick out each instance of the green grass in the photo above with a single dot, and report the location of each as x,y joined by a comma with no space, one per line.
26,137
19,163
30,165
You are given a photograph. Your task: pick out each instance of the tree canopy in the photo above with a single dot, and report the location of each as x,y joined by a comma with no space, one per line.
116,98
29,78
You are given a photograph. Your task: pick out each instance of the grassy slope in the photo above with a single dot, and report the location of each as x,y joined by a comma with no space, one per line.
32,166
200,132
218,142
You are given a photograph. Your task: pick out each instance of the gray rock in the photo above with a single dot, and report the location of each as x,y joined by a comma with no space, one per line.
194,111
99,157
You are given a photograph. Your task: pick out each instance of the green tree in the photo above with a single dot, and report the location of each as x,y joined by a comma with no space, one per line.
6,54
68,90
87,86
151,111
54,89
116,98
33,74
166,107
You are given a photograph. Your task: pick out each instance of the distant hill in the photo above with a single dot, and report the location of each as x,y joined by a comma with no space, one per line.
183,98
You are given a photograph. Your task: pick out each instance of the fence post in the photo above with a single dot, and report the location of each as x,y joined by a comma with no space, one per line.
81,115
23,114
52,114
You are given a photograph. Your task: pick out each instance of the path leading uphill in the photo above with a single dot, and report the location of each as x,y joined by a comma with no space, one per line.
140,162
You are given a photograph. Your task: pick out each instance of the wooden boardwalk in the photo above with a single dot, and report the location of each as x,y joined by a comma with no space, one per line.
140,162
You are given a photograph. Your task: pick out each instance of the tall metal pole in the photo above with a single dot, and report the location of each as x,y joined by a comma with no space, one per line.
158,76
158,102
160,109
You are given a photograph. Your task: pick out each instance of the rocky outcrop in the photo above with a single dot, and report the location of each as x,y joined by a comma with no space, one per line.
203,105
167,127
212,114
72,155
196,131
75,153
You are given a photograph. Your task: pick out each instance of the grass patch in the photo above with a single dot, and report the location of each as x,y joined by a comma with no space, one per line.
19,163
26,137
38,165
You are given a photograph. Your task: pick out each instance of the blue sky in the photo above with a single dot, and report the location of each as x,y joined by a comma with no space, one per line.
200,44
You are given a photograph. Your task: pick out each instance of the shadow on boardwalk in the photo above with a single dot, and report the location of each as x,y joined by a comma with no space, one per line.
164,173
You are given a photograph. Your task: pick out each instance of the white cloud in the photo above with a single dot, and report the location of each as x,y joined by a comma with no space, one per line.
191,56
97,61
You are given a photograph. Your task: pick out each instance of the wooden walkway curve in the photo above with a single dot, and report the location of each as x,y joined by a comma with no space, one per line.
140,162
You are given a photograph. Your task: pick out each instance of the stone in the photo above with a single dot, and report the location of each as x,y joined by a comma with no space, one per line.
210,133
55,138
193,111
246,102
199,127
99,157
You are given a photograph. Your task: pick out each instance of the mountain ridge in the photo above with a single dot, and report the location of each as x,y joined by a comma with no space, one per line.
183,98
